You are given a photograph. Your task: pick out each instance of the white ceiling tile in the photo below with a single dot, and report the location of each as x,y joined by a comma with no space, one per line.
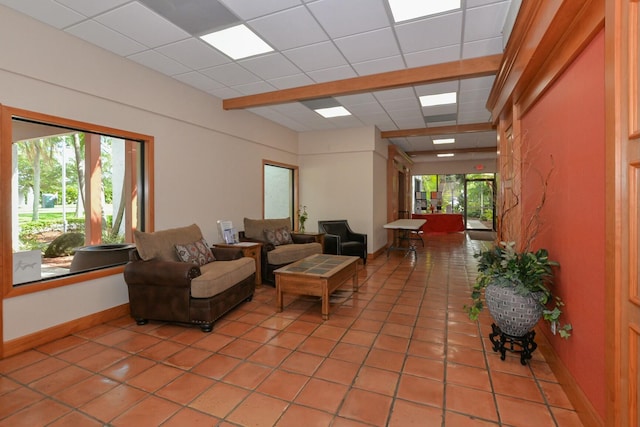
393,94
474,117
316,56
249,9
477,83
476,3
373,118
473,96
357,99
482,48
198,81
485,22
433,56
47,11
194,53
288,29
143,25
99,35
367,46
440,109
388,125
224,93
346,122
270,66
406,106
342,18
409,123
91,8
435,88
365,42
270,114
383,65
254,88
291,81
159,62
334,73
431,33
230,74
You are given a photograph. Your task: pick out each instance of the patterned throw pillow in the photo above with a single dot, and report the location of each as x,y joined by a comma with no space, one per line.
197,252
279,236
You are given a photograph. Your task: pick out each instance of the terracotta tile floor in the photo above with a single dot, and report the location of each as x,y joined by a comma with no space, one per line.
401,352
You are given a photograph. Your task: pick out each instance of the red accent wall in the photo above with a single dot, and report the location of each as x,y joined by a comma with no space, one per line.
565,132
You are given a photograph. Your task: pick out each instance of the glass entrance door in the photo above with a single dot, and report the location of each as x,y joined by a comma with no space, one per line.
480,203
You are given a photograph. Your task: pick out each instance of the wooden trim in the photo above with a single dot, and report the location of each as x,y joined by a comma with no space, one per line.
53,283
587,413
6,141
634,69
579,28
465,68
39,338
440,130
632,374
6,258
543,30
634,211
455,151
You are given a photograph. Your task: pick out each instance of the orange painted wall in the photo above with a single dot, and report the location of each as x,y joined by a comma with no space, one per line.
565,132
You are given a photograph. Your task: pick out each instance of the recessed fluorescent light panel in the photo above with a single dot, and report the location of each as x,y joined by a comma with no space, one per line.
328,113
445,155
444,141
438,99
237,42
403,10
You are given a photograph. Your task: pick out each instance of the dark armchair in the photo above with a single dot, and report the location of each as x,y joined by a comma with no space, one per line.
339,239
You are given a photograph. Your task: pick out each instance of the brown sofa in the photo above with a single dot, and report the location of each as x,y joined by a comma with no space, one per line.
164,287
276,255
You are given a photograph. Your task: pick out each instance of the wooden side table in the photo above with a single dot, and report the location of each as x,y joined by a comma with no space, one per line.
249,249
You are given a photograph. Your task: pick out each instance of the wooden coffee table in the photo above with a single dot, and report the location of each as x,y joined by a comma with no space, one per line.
317,275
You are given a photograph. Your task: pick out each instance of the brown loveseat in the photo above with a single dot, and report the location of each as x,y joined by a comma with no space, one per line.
277,250
164,287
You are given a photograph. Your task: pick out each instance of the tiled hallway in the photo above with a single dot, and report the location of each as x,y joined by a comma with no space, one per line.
400,353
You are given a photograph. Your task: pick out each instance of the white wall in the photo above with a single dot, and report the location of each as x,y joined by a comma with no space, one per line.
337,168
208,162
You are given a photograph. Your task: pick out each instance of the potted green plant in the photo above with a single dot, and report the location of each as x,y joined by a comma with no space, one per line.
521,277
302,218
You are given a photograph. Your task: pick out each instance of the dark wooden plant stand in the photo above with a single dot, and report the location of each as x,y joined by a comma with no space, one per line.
502,342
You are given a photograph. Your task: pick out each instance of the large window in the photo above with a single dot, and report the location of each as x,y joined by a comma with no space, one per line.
77,192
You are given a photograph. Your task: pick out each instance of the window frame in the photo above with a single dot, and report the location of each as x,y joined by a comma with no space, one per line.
6,141
294,190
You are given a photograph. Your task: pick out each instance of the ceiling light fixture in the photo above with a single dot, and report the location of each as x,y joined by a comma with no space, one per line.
237,42
438,99
444,141
330,112
445,155
403,10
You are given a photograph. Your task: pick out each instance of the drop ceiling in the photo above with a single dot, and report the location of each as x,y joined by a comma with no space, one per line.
314,41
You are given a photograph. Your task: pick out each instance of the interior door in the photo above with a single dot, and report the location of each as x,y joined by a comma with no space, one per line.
623,211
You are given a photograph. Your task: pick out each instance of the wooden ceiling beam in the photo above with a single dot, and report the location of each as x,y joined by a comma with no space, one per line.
440,130
465,68
454,151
